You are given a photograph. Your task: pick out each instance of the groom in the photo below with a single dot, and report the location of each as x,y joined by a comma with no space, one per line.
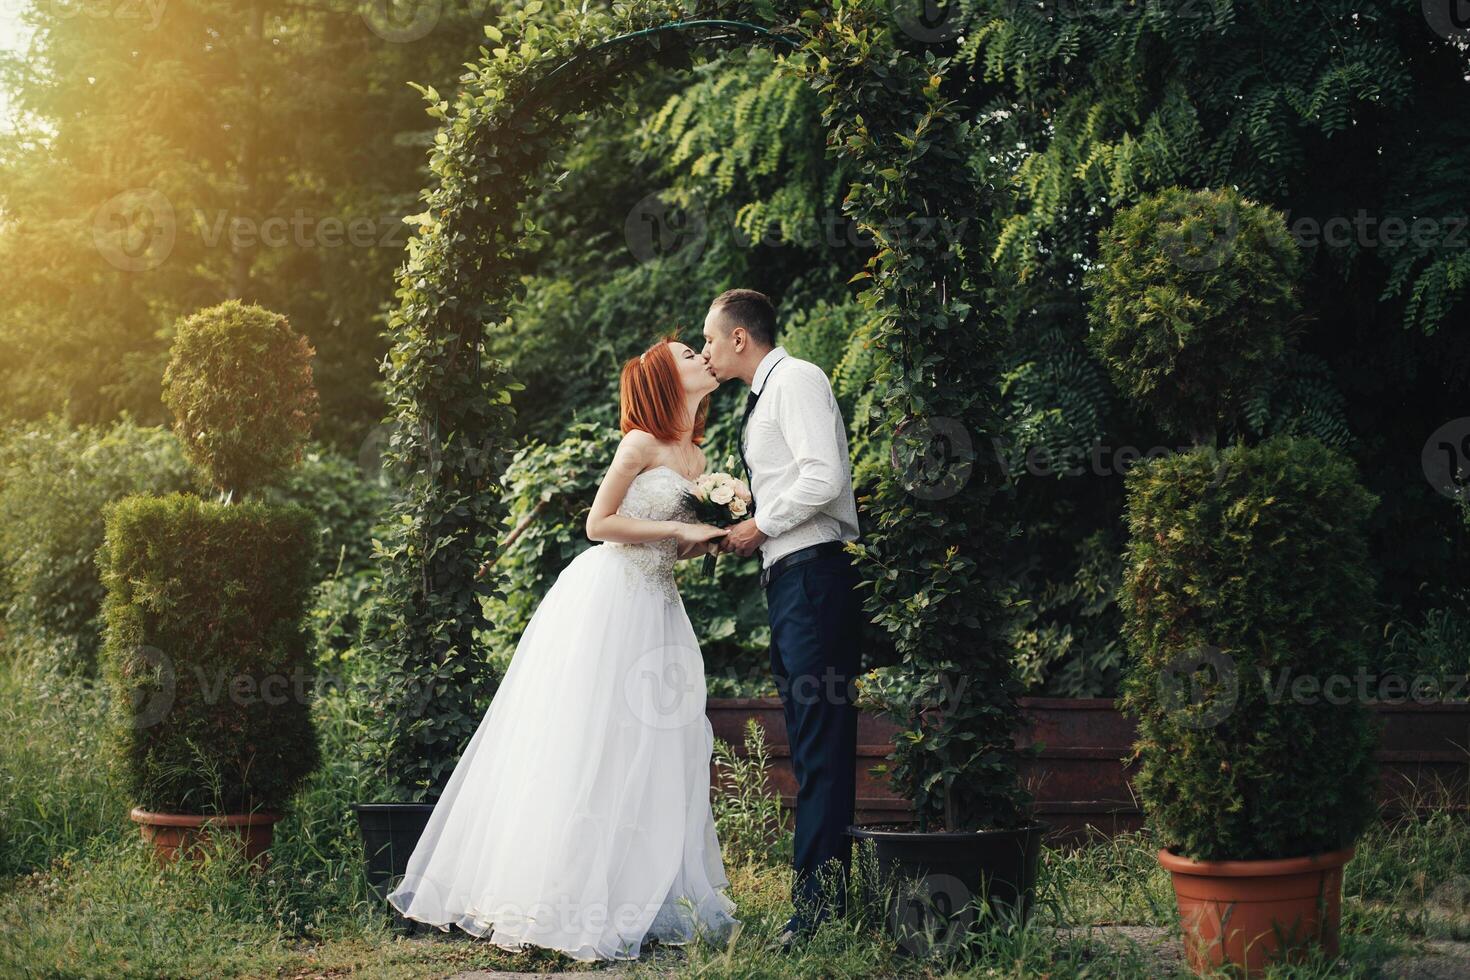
794,446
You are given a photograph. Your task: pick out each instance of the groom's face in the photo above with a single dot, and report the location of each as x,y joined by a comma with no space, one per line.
720,342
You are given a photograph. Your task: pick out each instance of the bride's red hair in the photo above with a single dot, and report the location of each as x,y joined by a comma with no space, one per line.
651,396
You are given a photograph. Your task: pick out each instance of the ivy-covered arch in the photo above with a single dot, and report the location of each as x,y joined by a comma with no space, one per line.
928,551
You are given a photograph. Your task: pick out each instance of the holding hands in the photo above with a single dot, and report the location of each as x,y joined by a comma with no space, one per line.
743,539
698,539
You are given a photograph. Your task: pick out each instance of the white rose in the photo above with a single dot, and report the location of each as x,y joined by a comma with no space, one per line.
742,491
722,494
737,508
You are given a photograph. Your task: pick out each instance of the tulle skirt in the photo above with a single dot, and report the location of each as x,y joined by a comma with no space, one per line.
578,818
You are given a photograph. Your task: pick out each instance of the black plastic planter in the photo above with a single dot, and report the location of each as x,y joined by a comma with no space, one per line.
935,885
389,833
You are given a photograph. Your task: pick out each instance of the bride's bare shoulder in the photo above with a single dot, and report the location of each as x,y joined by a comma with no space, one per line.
637,441
636,449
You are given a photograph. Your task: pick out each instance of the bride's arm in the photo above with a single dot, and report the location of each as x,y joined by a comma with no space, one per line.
604,523
690,549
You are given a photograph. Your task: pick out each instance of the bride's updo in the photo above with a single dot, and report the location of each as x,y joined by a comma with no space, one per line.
651,396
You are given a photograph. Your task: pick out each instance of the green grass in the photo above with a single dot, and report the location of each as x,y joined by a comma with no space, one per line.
80,894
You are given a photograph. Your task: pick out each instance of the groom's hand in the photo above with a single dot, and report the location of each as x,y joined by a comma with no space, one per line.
744,538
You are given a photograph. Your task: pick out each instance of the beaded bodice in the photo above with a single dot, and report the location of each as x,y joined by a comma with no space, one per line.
656,494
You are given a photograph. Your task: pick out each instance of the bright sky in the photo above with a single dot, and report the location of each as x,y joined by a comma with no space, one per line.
13,37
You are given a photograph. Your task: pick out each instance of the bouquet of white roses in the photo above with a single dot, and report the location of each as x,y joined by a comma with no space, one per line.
720,500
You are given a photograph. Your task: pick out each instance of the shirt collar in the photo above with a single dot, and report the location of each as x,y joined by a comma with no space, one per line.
763,369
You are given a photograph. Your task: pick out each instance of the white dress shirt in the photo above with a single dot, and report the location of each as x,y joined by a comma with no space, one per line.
796,445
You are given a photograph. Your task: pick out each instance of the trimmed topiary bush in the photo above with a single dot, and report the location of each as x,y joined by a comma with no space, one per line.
206,651
1190,304
1247,588
240,388
1246,596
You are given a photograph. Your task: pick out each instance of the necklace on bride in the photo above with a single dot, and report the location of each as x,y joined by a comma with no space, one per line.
684,463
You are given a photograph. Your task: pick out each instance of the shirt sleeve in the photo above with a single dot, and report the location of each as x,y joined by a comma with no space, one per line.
805,408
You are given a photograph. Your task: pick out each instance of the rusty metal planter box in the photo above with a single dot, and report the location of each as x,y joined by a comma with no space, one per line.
1079,778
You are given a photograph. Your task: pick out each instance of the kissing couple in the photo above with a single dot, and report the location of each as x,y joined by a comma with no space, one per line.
579,817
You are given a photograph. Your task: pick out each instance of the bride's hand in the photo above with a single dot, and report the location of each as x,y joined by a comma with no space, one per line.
694,538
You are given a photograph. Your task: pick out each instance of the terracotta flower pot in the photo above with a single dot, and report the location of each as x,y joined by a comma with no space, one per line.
1251,913
178,834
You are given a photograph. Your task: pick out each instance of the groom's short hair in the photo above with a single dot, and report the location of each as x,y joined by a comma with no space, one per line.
749,309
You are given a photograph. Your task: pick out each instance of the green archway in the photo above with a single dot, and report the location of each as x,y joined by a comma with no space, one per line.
925,552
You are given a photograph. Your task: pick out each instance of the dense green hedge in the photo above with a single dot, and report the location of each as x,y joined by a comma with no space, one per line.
206,652
1250,562
348,501
54,481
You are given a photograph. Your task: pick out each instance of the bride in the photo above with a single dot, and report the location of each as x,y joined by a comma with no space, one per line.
578,818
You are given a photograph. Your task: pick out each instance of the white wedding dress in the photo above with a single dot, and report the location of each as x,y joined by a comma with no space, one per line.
579,817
